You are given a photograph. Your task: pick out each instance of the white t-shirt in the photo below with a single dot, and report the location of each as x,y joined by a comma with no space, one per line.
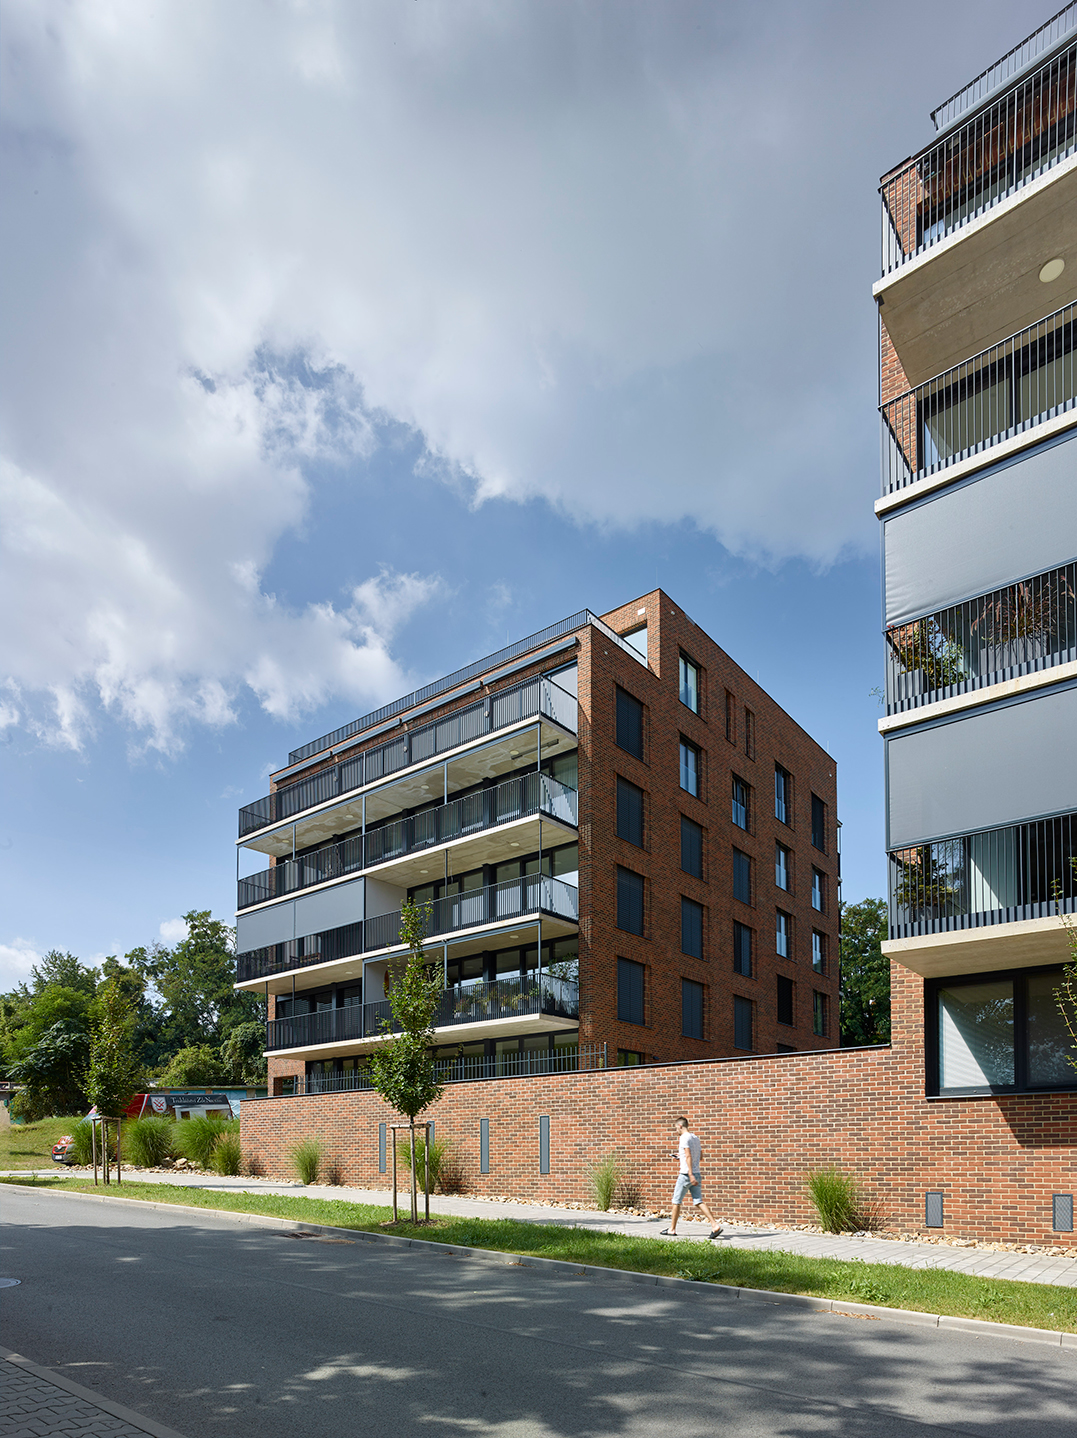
688,1153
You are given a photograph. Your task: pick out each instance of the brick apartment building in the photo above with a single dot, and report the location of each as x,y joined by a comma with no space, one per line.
628,853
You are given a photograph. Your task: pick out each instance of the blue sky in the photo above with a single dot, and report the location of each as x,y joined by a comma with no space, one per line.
344,342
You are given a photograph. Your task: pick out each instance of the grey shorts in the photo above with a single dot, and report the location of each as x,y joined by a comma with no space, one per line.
687,1184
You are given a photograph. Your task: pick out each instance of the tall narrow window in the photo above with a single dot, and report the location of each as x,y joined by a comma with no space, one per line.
629,991
818,890
741,813
691,928
629,901
742,877
730,717
818,823
783,940
742,1023
629,813
689,768
742,949
785,1000
689,677
637,641
749,734
819,1014
783,794
691,848
783,867
691,1009
818,951
629,723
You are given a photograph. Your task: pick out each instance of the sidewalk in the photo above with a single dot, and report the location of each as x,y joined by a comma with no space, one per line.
980,1262
37,1403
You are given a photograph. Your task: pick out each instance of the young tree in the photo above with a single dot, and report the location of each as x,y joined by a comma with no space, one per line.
865,974
114,1072
402,1069
1066,993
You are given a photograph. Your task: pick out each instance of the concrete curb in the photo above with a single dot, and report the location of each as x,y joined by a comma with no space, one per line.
117,1410
557,1267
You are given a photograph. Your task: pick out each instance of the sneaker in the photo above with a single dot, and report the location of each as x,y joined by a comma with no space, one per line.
666,1233
716,1232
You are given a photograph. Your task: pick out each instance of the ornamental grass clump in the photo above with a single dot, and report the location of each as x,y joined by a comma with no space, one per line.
226,1156
605,1176
195,1137
840,1202
147,1142
307,1158
82,1141
438,1154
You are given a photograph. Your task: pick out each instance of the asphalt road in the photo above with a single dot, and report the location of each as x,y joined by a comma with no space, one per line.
217,1328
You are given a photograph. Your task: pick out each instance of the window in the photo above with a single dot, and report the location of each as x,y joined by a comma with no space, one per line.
783,794
742,1023
636,639
998,1031
785,1000
629,901
818,951
818,823
691,1009
818,890
689,768
742,949
730,717
629,992
689,677
629,724
742,877
784,1048
749,734
628,1058
783,867
629,813
691,848
741,813
819,1014
783,937
691,928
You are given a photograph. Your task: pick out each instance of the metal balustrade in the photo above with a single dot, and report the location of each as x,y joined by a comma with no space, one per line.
468,1068
1021,629
1001,876
511,899
533,698
470,1003
518,798
1004,391
1010,142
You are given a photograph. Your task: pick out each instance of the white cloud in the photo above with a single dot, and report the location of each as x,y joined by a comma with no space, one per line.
172,932
16,961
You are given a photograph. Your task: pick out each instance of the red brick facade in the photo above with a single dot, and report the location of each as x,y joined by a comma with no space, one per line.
763,1123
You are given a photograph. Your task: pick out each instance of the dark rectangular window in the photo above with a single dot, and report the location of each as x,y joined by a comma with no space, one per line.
742,949
689,768
819,1014
629,901
998,1031
691,928
783,794
818,891
741,809
749,734
785,1000
818,951
691,848
629,812
742,1023
629,724
783,867
730,717
742,877
784,1049
689,684
629,992
818,823
691,1009
628,1058
783,935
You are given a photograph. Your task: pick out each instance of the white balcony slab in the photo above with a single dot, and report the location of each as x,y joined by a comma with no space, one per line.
1021,945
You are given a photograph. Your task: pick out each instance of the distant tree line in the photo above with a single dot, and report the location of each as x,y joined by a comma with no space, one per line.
171,1011
865,974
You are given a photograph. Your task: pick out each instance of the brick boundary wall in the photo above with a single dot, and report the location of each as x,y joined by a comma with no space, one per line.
763,1123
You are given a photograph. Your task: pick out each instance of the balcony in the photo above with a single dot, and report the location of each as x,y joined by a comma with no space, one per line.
1023,629
489,809
572,1058
496,904
483,1002
1010,389
535,698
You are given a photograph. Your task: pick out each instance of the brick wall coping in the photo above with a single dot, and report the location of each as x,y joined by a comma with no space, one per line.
557,1267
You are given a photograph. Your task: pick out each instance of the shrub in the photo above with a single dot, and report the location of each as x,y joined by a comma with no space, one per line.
307,1157
195,1137
438,1152
605,1176
840,1202
148,1141
227,1155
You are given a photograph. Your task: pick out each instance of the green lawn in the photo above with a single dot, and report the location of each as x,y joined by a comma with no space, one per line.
29,1145
1035,1305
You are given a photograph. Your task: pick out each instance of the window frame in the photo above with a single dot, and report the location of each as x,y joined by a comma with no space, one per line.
780,771
623,786
819,811
749,733
820,1014
690,825
743,1005
746,827
631,873
820,965
787,986
818,887
692,988
787,854
685,663
746,930
780,914
694,910
621,692
686,747
627,968
742,866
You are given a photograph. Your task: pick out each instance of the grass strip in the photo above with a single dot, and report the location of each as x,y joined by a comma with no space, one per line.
29,1145
961,1295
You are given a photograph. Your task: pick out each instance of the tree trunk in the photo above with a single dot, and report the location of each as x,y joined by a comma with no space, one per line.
414,1195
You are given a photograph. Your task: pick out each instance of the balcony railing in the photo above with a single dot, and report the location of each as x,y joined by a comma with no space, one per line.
1008,389
1021,629
479,1002
572,1058
533,698
1001,876
519,798
1010,142
511,899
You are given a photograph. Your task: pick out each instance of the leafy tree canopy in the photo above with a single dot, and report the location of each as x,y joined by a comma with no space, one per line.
865,974
53,1072
194,980
197,1066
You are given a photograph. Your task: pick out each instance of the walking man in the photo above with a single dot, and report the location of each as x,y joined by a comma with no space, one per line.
688,1181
